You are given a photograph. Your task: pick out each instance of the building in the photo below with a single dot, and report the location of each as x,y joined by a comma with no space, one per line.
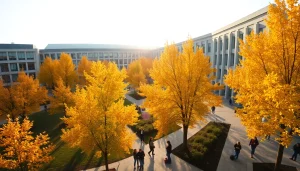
122,55
15,58
222,45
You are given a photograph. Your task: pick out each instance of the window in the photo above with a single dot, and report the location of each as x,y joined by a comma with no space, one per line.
32,74
5,78
29,55
203,47
215,47
58,55
4,67
220,59
21,55
215,61
73,56
31,66
78,56
241,35
22,66
226,59
52,56
13,67
12,55
3,56
208,47
105,55
14,77
233,41
221,44
232,59
47,55
41,57
249,29
226,43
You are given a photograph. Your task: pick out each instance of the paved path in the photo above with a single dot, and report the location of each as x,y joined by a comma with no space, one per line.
265,152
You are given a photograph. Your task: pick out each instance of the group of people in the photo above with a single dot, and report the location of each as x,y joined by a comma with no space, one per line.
237,147
139,156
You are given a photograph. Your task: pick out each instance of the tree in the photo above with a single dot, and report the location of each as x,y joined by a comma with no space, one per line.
25,96
135,74
182,92
7,102
20,149
66,70
47,74
147,64
62,96
266,81
83,66
99,119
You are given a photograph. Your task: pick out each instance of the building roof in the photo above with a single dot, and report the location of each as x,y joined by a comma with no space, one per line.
17,46
92,46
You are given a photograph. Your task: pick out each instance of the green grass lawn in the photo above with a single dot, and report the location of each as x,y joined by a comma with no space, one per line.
66,158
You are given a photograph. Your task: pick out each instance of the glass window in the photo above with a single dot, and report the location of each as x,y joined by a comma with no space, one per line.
4,67
32,74
29,55
226,43
14,77
52,56
3,56
233,41
41,57
47,55
21,55
215,61
73,56
58,55
12,55
220,59
13,67
225,59
22,66
221,44
5,78
31,66
208,47
203,47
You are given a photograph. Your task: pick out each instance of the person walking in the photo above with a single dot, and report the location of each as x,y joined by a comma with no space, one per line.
141,156
213,108
135,158
237,149
230,102
169,150
142,136
151,146
296,149
253,143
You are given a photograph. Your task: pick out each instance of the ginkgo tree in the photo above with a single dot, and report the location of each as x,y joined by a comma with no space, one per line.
83,66
266,81
182,92
47,74
98,120
66,70
20,150
135,73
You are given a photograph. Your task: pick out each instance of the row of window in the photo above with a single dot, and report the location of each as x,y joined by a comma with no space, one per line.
7,79
94,55
4,56
29,66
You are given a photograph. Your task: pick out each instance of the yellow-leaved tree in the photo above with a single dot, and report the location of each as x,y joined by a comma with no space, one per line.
66,70
7,102
135,74
147,64
266,81
22,151
182,92
27,95
98,120
47,74
83,66
62,96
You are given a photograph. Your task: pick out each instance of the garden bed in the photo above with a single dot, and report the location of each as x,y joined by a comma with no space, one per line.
205,147
270,167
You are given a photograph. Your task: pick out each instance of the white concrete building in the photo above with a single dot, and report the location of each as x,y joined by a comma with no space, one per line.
15,58
222,45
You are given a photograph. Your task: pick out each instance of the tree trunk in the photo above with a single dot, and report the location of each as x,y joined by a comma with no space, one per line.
106,161
279,158
185,131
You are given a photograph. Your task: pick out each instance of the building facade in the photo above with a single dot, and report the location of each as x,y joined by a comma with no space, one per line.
15,58
120,54
221,46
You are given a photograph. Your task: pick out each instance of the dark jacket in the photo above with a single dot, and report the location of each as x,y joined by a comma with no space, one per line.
169,148
253,143
141,155
135,155
237,147
296,148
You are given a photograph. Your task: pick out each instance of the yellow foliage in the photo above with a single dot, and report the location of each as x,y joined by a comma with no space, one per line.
83,66
182,92
62,96
23,98
135,74
147,64
99,119
267,82
20,149
66,70
47,74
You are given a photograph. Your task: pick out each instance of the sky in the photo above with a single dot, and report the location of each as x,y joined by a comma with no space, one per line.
128,22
